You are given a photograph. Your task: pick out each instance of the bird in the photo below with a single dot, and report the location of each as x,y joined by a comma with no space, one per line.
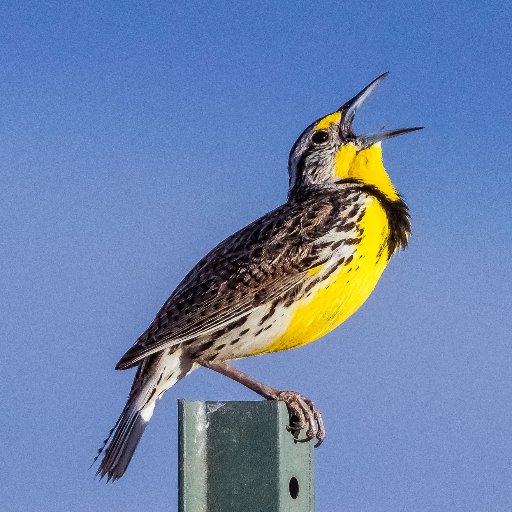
281,282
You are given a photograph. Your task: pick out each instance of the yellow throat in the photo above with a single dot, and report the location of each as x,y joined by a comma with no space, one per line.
365,166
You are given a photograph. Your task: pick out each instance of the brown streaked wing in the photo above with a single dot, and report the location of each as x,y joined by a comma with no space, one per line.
259,263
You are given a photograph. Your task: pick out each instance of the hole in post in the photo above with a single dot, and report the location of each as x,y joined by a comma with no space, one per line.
293,486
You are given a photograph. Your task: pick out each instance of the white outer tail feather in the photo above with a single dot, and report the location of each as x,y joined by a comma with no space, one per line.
154,376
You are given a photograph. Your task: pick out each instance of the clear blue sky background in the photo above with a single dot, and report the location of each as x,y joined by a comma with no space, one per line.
135,137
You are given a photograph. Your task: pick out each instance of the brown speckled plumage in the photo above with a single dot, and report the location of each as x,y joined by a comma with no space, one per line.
260,263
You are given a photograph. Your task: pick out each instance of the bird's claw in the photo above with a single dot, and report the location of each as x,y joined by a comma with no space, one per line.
303,414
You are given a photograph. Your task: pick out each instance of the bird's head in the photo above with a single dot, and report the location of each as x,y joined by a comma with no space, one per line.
329,152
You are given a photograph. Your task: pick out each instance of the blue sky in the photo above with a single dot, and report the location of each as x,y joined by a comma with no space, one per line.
135,137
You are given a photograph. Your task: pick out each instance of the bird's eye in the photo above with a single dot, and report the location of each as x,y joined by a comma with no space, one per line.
320,137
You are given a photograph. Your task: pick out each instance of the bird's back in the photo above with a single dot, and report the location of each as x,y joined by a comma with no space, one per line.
284,280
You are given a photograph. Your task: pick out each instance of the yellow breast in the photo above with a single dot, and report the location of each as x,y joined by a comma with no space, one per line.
337,297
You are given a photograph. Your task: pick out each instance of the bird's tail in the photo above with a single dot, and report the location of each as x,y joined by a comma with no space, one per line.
128,431
154,375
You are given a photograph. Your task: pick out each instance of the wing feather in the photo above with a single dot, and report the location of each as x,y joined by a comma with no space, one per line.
261,262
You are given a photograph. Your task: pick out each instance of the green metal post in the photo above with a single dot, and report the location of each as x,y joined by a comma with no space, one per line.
238,456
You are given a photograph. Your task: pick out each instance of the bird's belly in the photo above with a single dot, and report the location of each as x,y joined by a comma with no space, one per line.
334,299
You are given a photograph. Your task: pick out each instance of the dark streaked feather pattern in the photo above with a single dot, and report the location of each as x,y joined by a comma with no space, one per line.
252,267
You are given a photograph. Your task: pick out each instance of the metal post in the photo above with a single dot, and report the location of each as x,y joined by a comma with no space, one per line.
238,456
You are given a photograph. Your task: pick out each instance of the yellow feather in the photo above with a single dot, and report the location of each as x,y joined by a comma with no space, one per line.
366,166
327,121
332,301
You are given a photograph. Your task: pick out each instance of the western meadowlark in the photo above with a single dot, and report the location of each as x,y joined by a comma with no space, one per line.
281,282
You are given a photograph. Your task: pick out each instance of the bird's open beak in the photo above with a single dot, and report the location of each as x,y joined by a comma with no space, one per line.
349,109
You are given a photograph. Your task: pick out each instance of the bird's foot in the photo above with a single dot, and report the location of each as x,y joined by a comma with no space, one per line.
303,414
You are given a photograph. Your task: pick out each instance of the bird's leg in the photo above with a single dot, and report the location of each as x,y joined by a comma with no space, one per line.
303,413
